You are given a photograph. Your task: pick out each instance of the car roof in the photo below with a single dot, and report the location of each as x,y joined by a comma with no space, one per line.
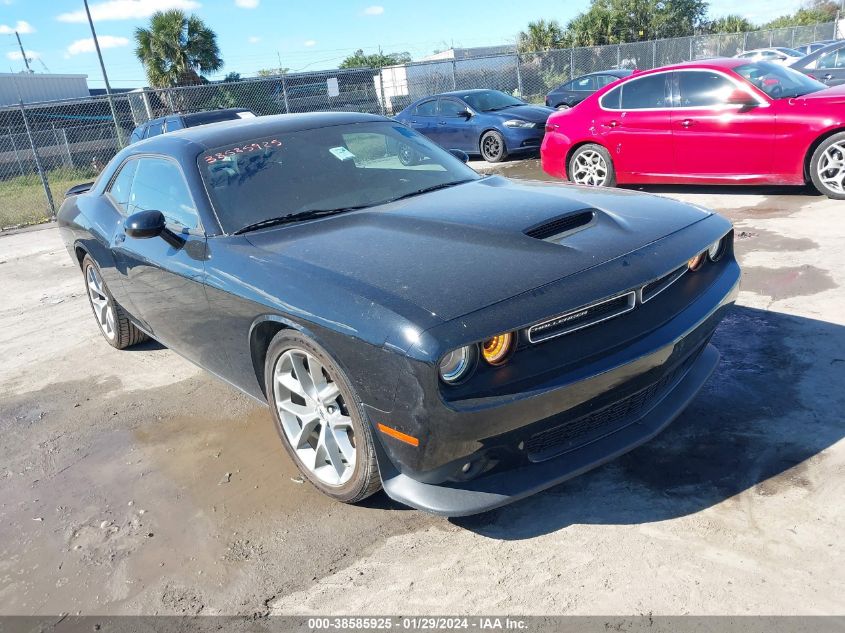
835,45
192,140
198,118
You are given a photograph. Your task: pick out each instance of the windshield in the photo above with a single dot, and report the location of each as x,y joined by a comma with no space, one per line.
779,82
336,167
490,100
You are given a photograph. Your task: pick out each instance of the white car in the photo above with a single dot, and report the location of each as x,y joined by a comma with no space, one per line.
777,54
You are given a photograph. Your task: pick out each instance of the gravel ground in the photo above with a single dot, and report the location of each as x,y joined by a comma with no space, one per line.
132,482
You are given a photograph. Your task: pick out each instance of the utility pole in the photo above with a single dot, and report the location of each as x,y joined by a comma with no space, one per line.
23,53
105,77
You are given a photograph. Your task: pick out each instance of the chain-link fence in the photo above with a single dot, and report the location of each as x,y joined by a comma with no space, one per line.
45,148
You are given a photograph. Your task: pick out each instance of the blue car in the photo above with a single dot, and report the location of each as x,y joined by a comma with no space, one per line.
488,123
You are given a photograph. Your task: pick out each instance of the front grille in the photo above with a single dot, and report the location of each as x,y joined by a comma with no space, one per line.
576,433
582,317
562,224
654,288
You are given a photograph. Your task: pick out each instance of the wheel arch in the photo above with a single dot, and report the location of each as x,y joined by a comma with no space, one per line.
575,148
80,252
808,157
263,330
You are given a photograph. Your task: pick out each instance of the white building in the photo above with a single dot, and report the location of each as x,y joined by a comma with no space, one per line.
36,87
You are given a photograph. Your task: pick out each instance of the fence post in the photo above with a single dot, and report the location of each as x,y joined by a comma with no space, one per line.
519,78
15,148
618,56
56,136
285,94
381,91
745,41
719,45
654,53
38,167
814,33
771,38
572,63
454,76
792,38
67,149
691,55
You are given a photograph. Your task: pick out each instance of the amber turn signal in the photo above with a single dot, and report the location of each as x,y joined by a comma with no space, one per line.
695,262
496,350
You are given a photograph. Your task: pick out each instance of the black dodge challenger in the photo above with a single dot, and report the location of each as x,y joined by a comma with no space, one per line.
461,341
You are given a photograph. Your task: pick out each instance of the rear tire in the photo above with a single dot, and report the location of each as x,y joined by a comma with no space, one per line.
591,165
114,323
827,167
320,419
492,146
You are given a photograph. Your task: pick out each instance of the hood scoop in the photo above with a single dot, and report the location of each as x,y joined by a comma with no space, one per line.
562,225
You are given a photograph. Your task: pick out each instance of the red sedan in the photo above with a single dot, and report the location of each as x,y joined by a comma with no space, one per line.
721,121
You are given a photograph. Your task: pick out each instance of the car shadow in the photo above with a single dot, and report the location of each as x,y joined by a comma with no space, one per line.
772,406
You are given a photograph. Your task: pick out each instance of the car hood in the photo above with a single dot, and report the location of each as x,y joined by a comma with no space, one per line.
461,249
535,114
836,94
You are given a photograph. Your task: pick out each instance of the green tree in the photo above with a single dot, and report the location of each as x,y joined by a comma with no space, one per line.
375,60
540,36
176,49
730,24
617,21
273,72
814,12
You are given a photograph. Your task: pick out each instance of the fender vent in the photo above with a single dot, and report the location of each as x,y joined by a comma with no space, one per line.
563,224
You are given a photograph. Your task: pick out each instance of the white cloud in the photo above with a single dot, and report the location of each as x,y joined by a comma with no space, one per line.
374,10
87,45
16,56
253,39
21,27
247,4
309,43
127,9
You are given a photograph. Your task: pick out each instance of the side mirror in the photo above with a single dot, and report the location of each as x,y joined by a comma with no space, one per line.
144,224
466,114
459,154
742,98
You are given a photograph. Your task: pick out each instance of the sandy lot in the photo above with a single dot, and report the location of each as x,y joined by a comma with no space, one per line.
132,482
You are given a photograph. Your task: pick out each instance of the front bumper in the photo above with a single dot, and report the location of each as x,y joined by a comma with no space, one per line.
519,140
498,489
624,404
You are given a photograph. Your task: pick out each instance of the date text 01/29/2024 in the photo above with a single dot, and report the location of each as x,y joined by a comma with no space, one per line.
422,623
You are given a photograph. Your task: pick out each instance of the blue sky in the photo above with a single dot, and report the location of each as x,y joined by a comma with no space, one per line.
254,34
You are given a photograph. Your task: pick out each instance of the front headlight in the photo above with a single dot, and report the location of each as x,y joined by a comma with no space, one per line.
518,123
716,249
457,364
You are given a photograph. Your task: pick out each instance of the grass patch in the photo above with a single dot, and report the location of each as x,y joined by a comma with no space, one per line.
22,199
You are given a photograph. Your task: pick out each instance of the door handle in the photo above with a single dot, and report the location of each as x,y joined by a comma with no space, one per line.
120,238
613,123
827,77
687,123
441,123
413,120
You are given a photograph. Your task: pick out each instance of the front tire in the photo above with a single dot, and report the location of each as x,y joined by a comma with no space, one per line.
492,145
114,323
320,419
827,167
591,165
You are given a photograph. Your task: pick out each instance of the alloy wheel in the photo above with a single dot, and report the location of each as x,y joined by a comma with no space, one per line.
590,168
103,311
491,146
314,417
831,167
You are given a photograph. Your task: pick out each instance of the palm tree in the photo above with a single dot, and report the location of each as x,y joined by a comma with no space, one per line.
731,24
176,49
540,36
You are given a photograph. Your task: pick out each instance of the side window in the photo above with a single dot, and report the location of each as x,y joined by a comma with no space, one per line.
646,92
451,108
613,99
603,80
427,108
159,186
840,60
121,186
703,89
569,85
584,84
828,60
174,123
155,128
